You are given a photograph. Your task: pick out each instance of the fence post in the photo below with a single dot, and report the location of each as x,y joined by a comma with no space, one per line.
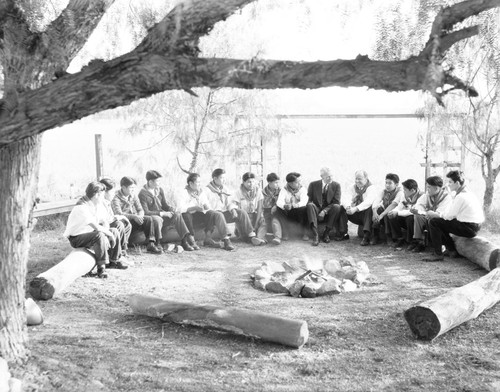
98,155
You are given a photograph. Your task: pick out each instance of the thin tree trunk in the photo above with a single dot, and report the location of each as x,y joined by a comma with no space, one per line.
19,163
488,194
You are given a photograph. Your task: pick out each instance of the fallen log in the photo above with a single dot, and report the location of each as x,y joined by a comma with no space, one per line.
268,327
479,250
51,282
436,316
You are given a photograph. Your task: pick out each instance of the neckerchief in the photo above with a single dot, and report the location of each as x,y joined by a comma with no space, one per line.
272,194
294,192
433,201
460,190
389,196
358,197
410,201
221,192
249,196
194,194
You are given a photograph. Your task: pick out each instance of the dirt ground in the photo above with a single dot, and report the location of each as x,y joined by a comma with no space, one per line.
359,341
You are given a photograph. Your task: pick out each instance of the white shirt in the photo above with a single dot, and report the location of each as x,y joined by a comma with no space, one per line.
465,207
404,207
243,203
297,200
188,201
368,197
215,202
80,218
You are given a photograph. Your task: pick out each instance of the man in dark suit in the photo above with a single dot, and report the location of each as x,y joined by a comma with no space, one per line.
323,204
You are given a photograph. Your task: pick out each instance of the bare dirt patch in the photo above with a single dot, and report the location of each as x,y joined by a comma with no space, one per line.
359,341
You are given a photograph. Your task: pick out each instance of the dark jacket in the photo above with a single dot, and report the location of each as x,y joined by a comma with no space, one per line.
126,205
152,204
315,194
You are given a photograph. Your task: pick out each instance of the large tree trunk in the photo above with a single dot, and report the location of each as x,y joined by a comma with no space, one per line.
19,163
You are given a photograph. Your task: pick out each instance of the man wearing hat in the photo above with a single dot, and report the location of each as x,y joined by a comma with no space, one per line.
153,201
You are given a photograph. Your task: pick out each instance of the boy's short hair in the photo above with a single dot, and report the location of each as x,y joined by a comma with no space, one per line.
456,176
434,181
410,184
271,177
291,177
152,175
107,182
192,177
127,181
393,177
247,176
93,188
218,172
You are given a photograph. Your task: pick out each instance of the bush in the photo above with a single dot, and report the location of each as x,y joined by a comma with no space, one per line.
51,222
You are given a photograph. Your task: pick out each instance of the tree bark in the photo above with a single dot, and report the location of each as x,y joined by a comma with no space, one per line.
488,194
19,163
436,316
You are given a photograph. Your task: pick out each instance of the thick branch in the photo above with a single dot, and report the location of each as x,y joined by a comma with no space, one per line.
180,30
456,13
450,39
130,77
71,29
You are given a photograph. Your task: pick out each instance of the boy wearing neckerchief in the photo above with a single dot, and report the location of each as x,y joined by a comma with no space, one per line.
248,197
463,217
431,204
386,201
401,216
291,205
358,208
271,193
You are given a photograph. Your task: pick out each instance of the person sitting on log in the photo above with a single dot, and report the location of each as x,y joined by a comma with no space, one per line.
83,229
385,202
431,204
115,221
127,203
358,207
463,217
248,197
195,208
220,199
271,192
154,203
401,216
291,205
323,204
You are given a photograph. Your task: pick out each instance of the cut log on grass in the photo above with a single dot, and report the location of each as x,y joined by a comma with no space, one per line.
479,250
56,279
268,327
436,316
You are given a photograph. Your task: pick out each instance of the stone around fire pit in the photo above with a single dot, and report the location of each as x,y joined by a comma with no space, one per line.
308,279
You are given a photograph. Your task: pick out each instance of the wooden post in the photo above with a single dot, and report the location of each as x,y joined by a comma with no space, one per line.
269,327
436,316
56,279
98,156
427,145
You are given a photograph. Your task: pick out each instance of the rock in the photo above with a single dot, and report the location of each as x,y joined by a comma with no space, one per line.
296,287
262,274
310,290
34,315
272,267
348,261
348,285
331,286
179,249
276,287
260,283
170,247
332,266
15,385
348,272
4,375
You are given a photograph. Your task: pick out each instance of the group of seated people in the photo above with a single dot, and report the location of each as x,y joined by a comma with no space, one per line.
103,219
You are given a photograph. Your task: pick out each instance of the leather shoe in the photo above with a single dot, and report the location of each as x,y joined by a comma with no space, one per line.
101,272
326,237
117,265
152,248
451,253
276,241
228,245
315,240
365,241
192,242
412,246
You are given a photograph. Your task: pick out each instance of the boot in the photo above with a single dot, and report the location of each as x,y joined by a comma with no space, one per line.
192,242
326,235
